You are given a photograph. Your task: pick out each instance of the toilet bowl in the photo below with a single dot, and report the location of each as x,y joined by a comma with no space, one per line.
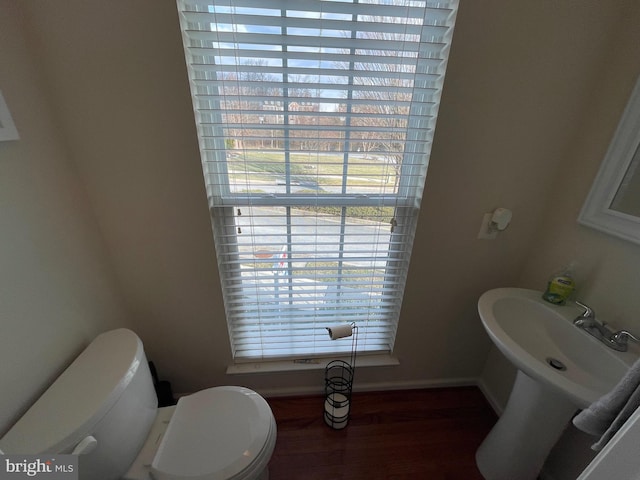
104,409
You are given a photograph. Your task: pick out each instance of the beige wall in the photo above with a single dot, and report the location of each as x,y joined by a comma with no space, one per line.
57,288
117,75
608,272
522,78
609,268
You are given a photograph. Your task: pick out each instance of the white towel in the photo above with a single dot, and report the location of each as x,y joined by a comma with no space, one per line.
605,416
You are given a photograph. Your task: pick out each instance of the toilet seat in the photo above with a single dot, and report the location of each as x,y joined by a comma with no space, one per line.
220,433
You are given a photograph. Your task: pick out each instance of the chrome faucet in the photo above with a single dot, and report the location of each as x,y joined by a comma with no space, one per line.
615,340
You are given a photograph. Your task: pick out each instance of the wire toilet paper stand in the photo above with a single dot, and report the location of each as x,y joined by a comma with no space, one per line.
338,380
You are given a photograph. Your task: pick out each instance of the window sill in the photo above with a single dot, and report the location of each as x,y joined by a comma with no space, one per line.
301,365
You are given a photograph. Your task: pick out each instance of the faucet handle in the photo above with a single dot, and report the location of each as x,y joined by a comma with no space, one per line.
588,311
622,336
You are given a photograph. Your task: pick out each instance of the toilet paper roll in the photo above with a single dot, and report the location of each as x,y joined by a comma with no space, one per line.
336,411
340,331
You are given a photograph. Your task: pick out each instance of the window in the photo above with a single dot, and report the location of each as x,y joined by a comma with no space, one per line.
315,120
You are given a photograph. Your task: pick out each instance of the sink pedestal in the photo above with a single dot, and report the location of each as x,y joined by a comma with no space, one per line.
529,427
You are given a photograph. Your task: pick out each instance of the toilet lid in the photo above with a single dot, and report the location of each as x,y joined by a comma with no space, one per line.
214,434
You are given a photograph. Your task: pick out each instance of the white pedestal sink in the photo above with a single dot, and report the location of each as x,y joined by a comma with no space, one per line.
561,369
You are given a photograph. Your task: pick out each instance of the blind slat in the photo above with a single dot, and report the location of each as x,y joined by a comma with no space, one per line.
430,10
212,39
403,27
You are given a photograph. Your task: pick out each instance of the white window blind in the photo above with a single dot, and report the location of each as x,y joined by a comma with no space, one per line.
315,120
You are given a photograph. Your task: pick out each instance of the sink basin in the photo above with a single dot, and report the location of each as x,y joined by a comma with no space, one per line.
561,369
540,339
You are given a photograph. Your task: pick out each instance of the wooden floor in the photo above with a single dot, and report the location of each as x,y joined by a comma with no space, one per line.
429,434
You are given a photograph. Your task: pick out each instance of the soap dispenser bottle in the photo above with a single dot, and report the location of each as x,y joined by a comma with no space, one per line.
560,286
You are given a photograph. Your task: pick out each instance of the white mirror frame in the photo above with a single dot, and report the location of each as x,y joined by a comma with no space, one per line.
597,212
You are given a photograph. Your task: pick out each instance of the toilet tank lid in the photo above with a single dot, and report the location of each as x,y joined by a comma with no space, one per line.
71,407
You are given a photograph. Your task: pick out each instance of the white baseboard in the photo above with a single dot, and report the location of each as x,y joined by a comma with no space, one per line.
373,387
493,401
384,386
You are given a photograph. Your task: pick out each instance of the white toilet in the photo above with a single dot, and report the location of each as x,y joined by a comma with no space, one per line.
104,408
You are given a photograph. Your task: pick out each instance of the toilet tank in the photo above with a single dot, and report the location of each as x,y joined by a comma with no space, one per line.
107,393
